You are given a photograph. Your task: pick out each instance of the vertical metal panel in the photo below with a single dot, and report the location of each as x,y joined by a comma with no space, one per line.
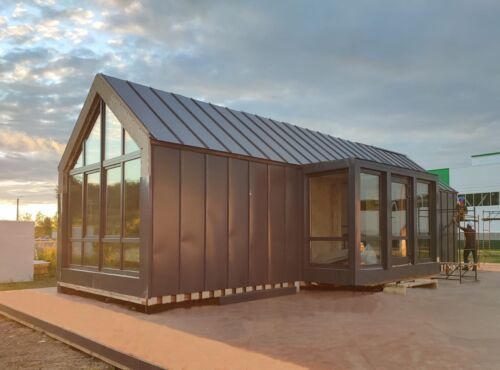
292,224
259,249
276,223
192,255
238,223
216,222
166,207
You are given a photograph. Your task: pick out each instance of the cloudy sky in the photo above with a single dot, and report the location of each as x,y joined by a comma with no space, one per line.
420,77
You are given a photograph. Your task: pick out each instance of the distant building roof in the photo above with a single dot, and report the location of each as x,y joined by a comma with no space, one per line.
180,120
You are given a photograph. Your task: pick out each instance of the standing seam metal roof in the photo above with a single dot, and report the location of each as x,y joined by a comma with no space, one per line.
180,120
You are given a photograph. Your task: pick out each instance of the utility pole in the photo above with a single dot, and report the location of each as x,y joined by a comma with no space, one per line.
17,209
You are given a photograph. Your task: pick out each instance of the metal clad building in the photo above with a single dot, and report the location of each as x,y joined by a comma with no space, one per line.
166,197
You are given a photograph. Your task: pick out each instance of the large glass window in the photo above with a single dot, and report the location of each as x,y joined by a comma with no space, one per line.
104,216
75,205
400,217
423,220
370,247
113,200
328,231
132,216
93,202
113,136
93,144
130,145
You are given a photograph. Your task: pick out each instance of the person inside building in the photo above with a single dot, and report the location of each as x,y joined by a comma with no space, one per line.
470,243
368,255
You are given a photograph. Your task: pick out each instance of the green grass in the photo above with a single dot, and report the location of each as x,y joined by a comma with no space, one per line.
39,282
489,255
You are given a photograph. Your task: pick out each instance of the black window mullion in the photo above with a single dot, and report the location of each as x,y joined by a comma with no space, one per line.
122,209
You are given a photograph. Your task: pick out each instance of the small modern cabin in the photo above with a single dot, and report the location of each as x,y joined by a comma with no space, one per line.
165,198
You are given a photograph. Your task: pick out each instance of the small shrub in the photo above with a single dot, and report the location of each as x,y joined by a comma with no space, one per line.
49,254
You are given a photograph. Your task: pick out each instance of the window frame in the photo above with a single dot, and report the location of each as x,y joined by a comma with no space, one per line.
102,166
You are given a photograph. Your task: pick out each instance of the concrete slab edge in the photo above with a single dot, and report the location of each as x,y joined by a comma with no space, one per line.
105,353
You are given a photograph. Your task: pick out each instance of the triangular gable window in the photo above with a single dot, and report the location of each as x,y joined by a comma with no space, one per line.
93,144
117,141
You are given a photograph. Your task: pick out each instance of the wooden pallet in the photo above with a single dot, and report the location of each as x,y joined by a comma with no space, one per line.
402,286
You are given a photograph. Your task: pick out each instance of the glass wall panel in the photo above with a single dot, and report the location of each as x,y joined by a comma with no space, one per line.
112,136
113,198
130,145
93,204
132,178
424,248
370,219
79,161
328,205
111,255
329,252
400,248
76,253
399,215
91,253
93,144
328,218
423,211
75,205
131,256
399,209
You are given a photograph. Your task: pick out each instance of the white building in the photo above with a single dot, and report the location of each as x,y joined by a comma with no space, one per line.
478,186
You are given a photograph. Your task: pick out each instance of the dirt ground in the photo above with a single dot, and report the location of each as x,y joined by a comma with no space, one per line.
24,348
452,327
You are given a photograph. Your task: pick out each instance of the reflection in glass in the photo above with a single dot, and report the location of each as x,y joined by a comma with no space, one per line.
131,256
399,248
132,218
75,205
113,194
79,161
399,227
93,144
399,194
111,255
113,136
90,253
370,219
328,205
423,208
93,204
130,145
329,252
424,248
423,220
76,253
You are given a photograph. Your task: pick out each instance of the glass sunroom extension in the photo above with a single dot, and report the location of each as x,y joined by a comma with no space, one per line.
103,192
368,223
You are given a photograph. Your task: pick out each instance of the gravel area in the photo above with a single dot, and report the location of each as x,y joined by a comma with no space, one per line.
25,348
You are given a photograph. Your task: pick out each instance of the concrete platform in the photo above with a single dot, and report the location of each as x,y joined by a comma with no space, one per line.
455,326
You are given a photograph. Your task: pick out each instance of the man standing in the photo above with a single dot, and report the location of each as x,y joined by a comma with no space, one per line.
470,242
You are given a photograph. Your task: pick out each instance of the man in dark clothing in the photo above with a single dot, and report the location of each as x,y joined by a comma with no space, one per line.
470,243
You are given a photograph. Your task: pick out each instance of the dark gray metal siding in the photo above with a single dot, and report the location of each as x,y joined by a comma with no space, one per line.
180,120
230,222
192,255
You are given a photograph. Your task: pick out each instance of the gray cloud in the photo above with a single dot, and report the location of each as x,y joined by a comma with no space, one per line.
417,77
